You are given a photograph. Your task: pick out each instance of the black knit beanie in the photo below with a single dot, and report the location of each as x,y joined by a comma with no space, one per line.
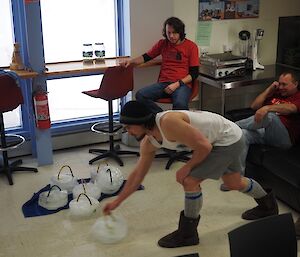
135,113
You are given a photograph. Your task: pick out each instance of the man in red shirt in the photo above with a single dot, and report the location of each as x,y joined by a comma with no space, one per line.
277,118
180,66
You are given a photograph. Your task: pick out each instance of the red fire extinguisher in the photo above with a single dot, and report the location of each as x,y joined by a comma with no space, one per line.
40,100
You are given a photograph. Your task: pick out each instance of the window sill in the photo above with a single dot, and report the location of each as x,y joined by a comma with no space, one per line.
78,67
23,73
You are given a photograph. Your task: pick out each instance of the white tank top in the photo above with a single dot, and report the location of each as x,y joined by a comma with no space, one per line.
218,130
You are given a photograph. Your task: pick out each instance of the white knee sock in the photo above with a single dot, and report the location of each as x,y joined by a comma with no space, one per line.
253,189
192,204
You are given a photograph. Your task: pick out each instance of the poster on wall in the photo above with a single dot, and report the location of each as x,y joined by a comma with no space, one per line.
31,1
227,9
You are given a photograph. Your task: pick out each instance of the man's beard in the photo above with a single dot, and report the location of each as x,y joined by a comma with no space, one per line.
140,137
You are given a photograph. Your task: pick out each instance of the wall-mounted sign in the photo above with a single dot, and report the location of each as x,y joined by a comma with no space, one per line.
232,9
31,1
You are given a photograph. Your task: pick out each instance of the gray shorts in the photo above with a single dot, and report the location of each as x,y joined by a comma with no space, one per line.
221,160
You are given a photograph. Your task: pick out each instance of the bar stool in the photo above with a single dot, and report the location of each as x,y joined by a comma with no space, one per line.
116,83
173,155
10,98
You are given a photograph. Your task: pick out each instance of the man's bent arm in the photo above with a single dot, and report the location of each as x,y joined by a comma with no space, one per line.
260,99
284,109
138,60
137,175
189,136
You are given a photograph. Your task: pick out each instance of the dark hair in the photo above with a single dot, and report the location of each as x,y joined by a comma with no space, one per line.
149,124
177,25
137,113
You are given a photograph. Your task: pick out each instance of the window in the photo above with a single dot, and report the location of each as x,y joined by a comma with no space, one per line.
7,34
75,105
67,25
11,119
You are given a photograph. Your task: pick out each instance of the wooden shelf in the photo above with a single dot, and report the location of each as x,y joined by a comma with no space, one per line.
27,74
24,74
79,67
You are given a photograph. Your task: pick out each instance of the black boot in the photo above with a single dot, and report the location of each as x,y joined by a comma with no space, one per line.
267,206
185,235
297,228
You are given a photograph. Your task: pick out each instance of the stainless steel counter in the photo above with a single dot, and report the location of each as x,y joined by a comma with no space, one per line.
252,77
257,77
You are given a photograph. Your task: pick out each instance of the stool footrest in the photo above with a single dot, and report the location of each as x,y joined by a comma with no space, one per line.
103,128
12,142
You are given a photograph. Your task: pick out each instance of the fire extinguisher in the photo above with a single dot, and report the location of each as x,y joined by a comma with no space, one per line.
40,100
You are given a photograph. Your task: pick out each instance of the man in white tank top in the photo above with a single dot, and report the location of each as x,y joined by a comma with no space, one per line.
216,144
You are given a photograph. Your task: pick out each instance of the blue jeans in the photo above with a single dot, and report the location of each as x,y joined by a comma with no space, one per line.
180,97
270,131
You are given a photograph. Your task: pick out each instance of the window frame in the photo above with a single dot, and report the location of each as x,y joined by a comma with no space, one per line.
65,127
80,125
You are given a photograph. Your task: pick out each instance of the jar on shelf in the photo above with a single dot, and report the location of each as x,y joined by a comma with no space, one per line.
99,51
87,53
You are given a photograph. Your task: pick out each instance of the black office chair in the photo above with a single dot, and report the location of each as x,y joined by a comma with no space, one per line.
273,236
10,98
116,83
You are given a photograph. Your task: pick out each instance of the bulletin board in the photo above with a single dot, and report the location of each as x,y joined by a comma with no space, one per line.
231,9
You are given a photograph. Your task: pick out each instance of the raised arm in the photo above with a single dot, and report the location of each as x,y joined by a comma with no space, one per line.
268,92
135,61
136,177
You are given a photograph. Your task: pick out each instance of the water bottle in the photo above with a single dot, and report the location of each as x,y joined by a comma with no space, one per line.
87,53
99,50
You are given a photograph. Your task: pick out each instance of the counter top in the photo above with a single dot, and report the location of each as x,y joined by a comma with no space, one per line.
23,73
76,67
79,67
267,75
252,78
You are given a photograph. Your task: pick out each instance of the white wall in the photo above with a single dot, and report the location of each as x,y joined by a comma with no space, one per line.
147,17
146,21
226,32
